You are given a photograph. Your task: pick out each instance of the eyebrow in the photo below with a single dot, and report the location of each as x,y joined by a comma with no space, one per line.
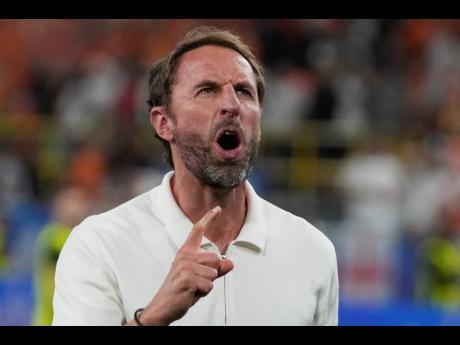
246,85
204,83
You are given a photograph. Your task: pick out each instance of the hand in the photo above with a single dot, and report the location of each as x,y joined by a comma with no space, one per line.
191,277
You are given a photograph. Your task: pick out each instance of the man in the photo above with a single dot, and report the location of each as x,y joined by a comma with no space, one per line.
202,248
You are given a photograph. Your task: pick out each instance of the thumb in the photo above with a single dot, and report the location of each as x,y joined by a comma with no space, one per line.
225,266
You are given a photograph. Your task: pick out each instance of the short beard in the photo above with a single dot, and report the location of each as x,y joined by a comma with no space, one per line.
217,174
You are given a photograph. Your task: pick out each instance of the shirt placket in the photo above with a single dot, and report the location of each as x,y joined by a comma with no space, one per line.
228,300
209,246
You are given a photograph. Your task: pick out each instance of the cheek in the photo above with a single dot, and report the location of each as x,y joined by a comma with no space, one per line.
253,120
191,130
193,117
192,126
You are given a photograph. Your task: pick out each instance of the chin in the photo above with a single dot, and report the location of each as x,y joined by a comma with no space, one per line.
225,178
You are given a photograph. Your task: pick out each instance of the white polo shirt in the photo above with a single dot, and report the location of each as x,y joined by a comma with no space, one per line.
285,270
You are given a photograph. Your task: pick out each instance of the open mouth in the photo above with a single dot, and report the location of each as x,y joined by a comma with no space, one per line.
228,140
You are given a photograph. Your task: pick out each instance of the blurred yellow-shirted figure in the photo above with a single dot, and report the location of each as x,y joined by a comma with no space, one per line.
48,247
2,248
70,206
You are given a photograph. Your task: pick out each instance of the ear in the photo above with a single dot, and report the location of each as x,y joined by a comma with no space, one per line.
161,122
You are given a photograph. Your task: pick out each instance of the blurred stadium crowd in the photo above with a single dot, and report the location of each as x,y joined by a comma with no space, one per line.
361,136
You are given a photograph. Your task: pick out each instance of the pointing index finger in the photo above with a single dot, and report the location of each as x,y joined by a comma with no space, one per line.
196,234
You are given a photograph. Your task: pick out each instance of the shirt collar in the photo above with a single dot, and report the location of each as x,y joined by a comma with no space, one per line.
251,236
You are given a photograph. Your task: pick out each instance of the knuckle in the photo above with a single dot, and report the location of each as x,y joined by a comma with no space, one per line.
182,254
215,262
209,287
183,264
206,288
178,265
186,267
214,273
214,257
198,227
210,257
179,258
187,282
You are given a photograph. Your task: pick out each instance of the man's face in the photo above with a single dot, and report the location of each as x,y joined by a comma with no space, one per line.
216,111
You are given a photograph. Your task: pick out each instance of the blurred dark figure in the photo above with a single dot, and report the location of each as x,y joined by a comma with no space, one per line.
284,42
20,213
325,102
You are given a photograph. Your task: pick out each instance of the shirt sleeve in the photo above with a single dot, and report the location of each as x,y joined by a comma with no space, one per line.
86,289
328,303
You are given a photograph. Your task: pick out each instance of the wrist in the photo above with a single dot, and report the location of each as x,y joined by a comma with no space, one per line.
149,317
137,315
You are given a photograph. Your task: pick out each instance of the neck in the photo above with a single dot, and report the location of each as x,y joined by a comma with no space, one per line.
195,199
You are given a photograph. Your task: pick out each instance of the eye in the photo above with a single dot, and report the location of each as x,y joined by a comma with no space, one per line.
244,91
207,89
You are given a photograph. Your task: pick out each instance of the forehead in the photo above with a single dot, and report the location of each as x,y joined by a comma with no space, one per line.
214,62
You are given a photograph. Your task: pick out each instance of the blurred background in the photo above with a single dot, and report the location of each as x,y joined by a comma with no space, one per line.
361,136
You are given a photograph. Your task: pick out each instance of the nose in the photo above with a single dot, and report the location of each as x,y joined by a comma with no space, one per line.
230,104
